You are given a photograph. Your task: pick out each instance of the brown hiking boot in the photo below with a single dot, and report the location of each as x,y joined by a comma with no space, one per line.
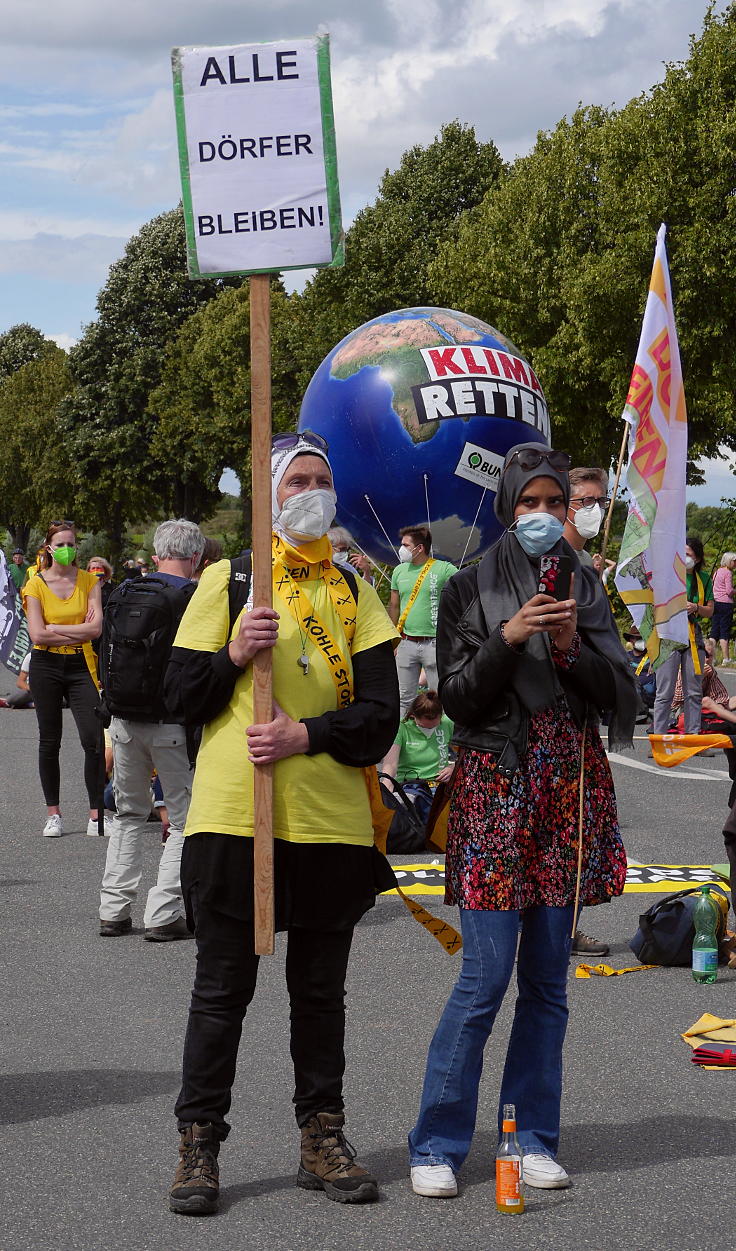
328,1162
196,1185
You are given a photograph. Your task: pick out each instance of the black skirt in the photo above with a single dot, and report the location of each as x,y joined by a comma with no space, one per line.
317,886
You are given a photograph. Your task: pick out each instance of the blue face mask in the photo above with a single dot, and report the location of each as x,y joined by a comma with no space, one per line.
537,532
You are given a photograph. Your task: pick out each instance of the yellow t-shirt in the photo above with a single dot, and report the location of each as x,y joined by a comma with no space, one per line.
315,799
61,612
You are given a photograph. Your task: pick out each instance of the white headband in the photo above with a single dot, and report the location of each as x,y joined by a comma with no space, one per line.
281,458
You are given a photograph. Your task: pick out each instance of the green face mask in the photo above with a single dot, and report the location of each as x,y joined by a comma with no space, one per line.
64,555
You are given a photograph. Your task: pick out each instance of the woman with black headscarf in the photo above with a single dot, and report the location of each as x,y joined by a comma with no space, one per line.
525,678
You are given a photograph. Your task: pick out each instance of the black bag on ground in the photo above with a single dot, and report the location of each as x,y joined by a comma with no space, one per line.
666,930
138,631
406,833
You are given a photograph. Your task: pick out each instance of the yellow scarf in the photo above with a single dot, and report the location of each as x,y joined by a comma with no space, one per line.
292,565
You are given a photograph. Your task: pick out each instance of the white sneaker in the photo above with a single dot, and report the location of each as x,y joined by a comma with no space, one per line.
437,1181
92,827
543,1172
52,828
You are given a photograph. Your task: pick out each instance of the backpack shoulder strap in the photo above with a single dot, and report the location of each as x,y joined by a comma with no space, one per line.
351,578
238,588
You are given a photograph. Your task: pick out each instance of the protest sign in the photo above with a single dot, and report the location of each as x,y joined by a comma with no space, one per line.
260,192
14,638
257,155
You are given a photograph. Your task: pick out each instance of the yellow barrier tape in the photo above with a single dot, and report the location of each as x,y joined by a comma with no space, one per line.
605,970
446,936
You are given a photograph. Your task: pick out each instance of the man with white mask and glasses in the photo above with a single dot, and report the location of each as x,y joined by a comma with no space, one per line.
586,510
335,713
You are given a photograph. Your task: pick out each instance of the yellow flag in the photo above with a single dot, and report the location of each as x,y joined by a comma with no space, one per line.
672,749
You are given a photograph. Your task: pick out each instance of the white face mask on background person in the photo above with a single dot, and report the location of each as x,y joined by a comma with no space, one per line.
639,645
689,562
405,554
310,514
587,521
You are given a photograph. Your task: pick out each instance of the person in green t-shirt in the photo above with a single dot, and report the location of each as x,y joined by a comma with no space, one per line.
415,615
699,604
421,750
18,568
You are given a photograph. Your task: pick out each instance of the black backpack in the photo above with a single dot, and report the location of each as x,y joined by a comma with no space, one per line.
138,631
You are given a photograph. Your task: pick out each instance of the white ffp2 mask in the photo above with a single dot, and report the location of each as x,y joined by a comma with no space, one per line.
310,514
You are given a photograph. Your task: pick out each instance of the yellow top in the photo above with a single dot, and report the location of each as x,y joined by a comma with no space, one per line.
316,800
64,612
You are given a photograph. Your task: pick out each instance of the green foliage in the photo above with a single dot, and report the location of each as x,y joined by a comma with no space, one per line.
559,255
20,345
116,365
34,458
392,243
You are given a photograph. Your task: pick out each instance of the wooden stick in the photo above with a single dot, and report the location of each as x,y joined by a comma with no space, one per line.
609,515
260,439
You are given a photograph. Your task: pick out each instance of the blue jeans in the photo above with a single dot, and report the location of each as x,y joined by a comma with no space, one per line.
532,1077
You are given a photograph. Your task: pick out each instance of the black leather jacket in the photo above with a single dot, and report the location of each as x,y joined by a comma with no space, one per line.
475,671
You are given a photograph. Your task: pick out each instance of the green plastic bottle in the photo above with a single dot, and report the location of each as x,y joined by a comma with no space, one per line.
705,942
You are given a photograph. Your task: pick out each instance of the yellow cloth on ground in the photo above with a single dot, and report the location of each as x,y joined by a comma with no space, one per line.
316,799
64,612
709,1028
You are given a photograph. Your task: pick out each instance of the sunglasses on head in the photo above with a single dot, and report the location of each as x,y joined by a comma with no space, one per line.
530,458
282,442
63,522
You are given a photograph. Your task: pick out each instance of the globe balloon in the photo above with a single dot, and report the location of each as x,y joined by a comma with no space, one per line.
419,408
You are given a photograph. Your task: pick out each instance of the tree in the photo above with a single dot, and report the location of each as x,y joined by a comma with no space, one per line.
202,404
392,243
567,241
35,458
21,344
116,365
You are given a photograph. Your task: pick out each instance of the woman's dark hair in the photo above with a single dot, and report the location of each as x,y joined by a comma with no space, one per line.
696,544
426,704
45,561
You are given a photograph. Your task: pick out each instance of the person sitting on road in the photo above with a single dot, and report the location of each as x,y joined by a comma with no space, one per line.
421,752
21,698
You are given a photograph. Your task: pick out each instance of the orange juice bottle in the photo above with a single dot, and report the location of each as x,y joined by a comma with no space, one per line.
509,1197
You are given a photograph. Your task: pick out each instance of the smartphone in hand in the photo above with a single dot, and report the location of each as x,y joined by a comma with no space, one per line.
555,576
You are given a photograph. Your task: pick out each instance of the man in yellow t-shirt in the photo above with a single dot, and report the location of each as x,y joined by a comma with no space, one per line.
335,713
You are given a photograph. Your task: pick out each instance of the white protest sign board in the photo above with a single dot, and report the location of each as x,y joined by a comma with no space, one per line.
479,465
257,155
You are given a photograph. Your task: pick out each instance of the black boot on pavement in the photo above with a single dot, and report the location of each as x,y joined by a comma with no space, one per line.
328,1162
196,1187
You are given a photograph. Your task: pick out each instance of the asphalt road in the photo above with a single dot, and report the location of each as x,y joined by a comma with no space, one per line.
91,1040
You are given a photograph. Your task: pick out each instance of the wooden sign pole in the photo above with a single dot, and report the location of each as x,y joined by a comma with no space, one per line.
260,428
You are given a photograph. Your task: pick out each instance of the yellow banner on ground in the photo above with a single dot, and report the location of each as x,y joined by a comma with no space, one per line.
672,749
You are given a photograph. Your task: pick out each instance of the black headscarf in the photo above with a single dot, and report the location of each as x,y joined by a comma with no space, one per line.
508,578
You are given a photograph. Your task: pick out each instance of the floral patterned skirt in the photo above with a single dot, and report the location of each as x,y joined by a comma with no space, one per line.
513,842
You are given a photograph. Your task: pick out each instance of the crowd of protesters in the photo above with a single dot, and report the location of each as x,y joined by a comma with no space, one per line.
478,680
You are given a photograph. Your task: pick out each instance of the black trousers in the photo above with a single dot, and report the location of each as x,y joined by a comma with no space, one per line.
53,675
225,981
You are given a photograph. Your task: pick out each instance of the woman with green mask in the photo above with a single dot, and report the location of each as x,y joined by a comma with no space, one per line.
64,611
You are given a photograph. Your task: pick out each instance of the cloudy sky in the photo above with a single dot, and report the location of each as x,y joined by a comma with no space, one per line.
87,137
